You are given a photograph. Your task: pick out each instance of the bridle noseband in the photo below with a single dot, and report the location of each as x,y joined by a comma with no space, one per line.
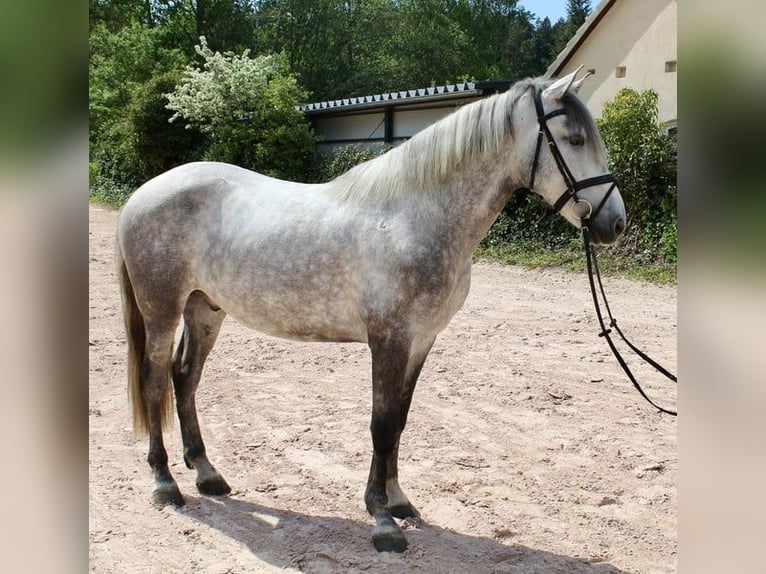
573,185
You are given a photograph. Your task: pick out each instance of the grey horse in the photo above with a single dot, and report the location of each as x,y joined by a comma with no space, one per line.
381,255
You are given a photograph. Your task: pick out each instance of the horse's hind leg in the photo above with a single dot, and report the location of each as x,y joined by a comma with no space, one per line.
202,322
155,373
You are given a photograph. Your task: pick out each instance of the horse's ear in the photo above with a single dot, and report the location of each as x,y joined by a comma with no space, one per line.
578,84
558,88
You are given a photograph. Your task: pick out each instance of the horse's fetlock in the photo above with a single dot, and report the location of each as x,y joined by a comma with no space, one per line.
194,452
157,459
375,500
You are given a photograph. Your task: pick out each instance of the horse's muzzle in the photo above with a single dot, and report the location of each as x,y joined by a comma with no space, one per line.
605,232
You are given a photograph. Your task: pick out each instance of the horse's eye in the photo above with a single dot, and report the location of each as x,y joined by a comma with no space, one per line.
576,140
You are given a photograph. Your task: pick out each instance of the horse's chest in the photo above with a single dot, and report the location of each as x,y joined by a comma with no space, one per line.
423,294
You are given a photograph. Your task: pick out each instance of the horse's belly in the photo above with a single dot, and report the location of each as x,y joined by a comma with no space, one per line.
299,319
307,331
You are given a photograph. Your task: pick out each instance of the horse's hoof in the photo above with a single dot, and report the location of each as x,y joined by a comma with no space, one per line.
389,539
214,486
167,494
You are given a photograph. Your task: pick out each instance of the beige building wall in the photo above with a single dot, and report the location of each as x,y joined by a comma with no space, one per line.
639,36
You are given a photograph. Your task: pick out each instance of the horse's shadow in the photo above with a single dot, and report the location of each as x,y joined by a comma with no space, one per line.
328,544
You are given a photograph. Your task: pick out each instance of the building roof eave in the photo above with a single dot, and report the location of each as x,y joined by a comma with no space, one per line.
405,97
579,38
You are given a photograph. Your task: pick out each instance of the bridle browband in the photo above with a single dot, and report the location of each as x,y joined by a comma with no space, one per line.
572,187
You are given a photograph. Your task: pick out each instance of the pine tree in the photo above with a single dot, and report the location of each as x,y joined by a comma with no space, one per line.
577,12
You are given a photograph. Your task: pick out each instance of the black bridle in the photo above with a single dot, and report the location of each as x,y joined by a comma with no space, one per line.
572,184
586,216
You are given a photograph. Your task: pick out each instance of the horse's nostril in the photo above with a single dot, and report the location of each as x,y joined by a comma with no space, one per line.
619,226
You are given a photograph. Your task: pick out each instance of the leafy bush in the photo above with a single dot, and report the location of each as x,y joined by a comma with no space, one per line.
669,242
248,108
643,159
158,145
130,137
528,219
342,160
107,191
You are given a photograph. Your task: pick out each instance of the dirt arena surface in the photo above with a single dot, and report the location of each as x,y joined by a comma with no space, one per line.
526,451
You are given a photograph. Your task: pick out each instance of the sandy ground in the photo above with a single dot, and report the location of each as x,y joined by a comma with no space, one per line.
526,451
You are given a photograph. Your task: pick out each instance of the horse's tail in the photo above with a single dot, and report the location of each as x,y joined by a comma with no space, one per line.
136,337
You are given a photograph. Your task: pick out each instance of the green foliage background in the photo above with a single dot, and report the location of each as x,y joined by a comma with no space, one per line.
143,49
644,159
342,160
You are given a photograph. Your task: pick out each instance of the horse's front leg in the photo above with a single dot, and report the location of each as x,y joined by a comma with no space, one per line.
394,374
398,503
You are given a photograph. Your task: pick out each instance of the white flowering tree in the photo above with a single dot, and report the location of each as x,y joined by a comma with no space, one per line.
247,106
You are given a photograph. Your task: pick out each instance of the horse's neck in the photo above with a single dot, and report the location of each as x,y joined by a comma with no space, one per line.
473,199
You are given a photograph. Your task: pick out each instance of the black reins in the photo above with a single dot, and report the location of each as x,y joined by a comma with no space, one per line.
572,187
592,263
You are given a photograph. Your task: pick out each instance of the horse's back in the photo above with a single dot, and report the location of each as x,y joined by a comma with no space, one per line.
193,199
193,185
167,221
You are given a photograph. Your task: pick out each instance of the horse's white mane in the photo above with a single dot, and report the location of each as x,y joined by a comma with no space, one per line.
481,127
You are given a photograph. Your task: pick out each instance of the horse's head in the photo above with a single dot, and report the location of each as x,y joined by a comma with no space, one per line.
570,166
